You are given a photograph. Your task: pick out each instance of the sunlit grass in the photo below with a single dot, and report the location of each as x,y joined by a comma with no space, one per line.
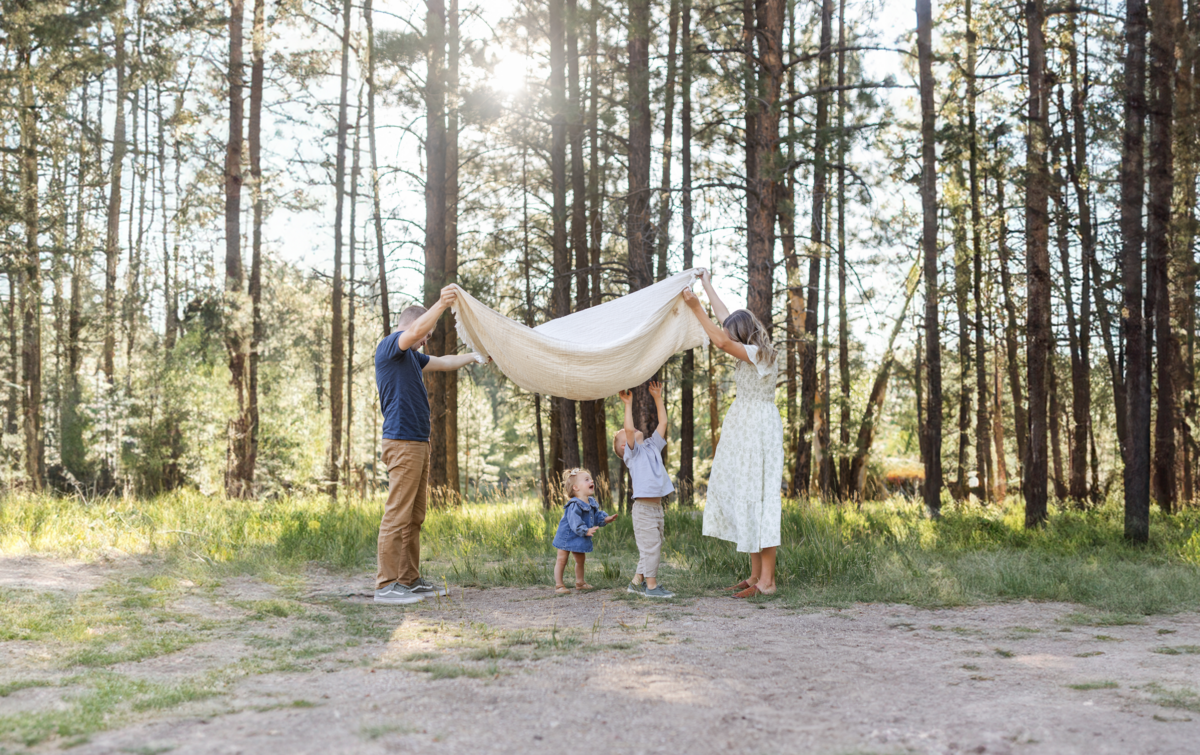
887,551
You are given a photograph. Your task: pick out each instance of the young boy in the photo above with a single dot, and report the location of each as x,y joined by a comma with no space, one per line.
643,457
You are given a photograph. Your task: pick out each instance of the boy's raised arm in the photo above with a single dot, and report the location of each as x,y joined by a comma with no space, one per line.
627,398
656,392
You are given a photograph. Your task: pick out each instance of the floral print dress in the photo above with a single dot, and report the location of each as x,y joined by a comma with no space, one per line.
744,502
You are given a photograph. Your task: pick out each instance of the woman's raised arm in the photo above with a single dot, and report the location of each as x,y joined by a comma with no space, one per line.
719,337
719,308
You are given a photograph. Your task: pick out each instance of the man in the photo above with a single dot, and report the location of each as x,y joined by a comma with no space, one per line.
405,407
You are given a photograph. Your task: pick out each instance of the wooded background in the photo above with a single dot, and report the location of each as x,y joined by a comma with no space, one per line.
162,160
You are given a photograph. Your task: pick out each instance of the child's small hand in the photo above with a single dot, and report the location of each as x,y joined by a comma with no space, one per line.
655,388
591,531
626,396
609,519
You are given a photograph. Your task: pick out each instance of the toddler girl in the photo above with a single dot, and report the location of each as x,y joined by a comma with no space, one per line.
580,520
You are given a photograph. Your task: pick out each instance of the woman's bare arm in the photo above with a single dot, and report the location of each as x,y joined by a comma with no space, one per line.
719,337
719,308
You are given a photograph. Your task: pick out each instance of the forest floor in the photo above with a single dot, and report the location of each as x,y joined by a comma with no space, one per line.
305,663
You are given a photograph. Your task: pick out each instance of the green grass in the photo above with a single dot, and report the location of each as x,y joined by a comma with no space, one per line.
882,552
1094,685
1182,698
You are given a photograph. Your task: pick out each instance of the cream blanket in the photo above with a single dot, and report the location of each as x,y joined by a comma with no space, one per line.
592,353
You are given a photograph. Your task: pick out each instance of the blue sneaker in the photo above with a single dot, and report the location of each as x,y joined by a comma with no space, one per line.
636,588
659,592
396,594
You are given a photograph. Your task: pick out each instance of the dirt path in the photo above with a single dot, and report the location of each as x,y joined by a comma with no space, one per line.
519,671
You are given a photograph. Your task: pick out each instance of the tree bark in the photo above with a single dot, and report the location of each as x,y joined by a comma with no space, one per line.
639,229
377,213
603,479
337,354
355,169
1037,256
1011,341
30,278
449,335
1134,324
687,398
254,139
932,434
983,443
817,250
236,337
664,194
1164,16
844,461
435,224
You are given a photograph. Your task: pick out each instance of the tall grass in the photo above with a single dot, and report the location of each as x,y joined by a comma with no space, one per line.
885,551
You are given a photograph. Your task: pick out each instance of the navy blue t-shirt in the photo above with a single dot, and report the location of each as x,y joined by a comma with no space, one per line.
402,396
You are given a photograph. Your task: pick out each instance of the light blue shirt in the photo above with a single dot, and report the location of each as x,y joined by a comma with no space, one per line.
646,469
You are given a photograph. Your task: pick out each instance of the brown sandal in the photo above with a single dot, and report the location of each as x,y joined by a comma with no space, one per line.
562,590
752,591
583,586
739,586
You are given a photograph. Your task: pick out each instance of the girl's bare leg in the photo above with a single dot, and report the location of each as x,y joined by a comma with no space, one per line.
756,568
560,565
579,559
766,569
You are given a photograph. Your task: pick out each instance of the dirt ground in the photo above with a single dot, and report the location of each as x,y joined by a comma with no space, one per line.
521,671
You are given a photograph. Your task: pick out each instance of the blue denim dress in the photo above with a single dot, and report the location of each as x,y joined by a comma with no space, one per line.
578,517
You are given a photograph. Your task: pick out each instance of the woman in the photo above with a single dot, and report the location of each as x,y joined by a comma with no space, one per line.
744,505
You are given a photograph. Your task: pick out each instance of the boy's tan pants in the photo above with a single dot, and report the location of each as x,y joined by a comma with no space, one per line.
407,463
648,533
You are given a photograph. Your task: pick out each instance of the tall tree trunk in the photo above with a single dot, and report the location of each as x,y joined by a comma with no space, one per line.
962,293
446,324
236,338
603,480
817,250
983,443
1037,256
1011,343
568,433
664,194
932,434
1055,426
544,487
30,278
355,168
794,308
1136,450
592,449
1060,147
1187,161
844,461
74,456
337,347
1077,169
112,249
254,139
639,229
376,214
1164,16
687,399
763,183
435,223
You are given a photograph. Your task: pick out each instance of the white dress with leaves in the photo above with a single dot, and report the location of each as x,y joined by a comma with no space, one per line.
744,502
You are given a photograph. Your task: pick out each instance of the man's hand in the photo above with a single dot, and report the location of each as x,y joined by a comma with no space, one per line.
448,297
591,531
690,299
655,389
610,519
626,396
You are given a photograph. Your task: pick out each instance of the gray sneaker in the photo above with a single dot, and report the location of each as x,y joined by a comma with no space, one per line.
659,592
426,589
396,594
636,588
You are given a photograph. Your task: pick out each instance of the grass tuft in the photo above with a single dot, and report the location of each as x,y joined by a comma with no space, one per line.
1094,685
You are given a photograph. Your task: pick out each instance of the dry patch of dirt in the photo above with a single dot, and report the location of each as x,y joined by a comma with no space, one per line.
521,671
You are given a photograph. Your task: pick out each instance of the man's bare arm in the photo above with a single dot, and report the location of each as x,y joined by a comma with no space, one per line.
426,322
449,363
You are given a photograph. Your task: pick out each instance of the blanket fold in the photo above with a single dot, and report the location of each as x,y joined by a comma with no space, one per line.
592,353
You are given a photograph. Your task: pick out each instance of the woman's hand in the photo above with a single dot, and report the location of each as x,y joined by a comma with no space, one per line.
655,389
690,299
626,396
705,276
591,531
611,518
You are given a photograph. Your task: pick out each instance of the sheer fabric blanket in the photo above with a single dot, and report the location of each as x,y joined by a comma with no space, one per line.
592,353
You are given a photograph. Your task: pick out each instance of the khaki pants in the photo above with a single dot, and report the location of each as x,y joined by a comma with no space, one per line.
648,533
407,463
